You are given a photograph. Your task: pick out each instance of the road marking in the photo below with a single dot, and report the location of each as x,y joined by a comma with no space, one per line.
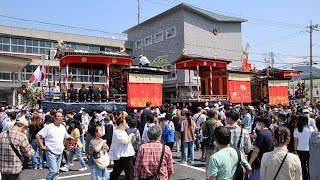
76,175
186,165
88,174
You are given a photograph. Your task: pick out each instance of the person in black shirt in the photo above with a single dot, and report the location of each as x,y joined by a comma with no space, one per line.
96,93
103,93
263,144
72,93
83,93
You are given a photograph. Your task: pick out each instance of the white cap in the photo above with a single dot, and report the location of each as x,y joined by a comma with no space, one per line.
103,113
206,108
135,111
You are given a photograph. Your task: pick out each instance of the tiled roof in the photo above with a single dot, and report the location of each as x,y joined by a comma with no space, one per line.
202,12
65,52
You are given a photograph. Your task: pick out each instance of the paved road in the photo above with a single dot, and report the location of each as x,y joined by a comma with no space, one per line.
195,171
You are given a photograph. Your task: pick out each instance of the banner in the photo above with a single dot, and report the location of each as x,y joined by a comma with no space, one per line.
239,91
278,95
139,94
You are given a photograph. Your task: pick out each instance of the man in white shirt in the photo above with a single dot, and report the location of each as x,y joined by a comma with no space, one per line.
11,123
148,124
144,61
53,135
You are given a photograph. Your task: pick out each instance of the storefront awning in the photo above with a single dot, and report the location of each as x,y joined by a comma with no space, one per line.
11,63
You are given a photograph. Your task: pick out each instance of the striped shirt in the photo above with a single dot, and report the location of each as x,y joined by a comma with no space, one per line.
148,159
245,143
10,163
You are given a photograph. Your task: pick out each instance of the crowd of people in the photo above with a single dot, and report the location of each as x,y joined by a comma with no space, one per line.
262,142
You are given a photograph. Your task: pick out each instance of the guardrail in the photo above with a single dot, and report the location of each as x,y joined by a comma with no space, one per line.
57,97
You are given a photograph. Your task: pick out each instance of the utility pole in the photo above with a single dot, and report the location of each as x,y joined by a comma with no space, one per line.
311,28
272,59
138,11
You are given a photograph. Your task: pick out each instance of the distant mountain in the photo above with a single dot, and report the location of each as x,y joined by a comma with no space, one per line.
305,71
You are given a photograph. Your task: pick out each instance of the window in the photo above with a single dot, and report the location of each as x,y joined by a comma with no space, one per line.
158,37
6,40
171,32
315,86
172,73
148,41
139,44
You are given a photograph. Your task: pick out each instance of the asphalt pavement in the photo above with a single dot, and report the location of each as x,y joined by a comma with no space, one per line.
194,171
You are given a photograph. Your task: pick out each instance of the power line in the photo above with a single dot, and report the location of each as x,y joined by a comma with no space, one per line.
276,40
94,30
253,19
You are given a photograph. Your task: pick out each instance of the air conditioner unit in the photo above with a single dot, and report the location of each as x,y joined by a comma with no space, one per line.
53,54
44,57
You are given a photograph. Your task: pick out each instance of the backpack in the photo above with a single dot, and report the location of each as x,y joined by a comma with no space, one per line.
208,134
239,174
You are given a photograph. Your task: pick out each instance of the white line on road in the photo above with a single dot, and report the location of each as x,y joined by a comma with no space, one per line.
88,174
186,165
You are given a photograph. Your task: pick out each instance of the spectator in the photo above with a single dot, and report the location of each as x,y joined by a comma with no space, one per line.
168,131
314,149
271,162
143,117
177,120
263,144
149,157
301,143
291,125
149,123
188,128
53,135
97,147
11,123
198,118
240,138
11,163
35,127
108,130
223,164
121,151
208,130
75,146
133,129
247,120
84,125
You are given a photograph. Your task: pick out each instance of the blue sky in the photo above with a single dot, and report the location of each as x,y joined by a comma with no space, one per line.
273,25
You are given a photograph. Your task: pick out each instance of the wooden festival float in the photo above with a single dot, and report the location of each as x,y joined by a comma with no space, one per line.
141,84
270,86
215,82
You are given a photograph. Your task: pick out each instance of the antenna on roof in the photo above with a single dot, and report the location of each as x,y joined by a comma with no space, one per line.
138,11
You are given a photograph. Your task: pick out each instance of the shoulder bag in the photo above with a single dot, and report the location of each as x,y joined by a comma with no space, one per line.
101,159
14,149
280,166
157,175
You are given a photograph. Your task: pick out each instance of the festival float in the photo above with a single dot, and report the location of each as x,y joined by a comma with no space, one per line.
140,84
216,82
270,86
